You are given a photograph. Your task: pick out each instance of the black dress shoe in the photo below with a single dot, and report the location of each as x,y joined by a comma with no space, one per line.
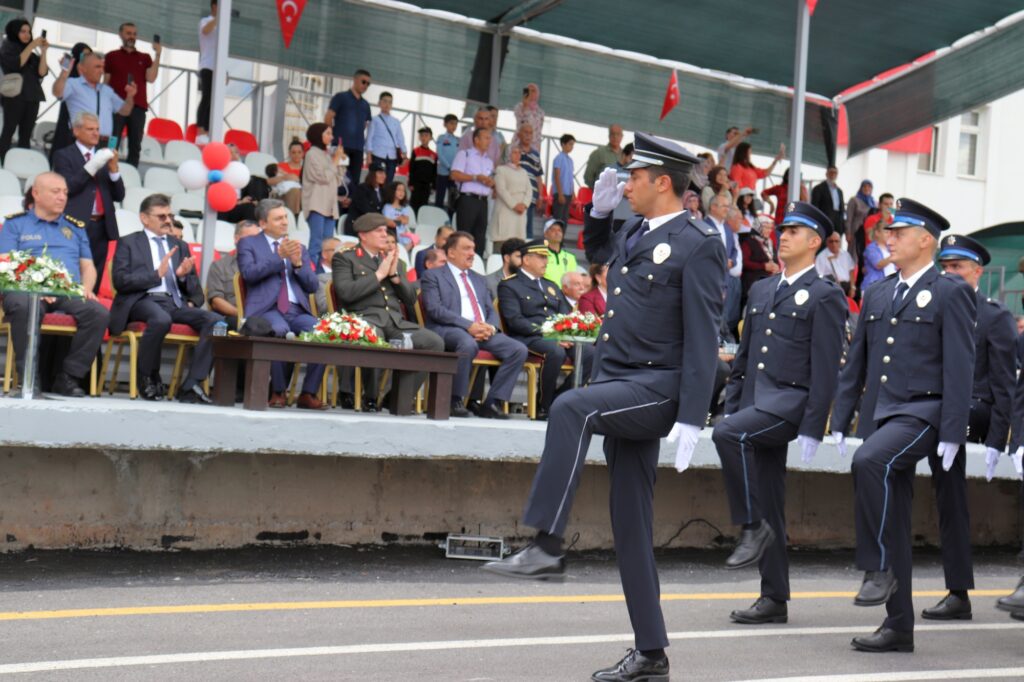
885,639
370,405
64,384
194,396
150,390
951,607
1013,603
529,562
764,610
458,410
634,666
542,415
751,547
1018,615
490,411
346,401
877,588
473,406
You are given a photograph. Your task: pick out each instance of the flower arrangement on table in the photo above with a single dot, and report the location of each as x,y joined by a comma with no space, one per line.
575,326
343,327
24,272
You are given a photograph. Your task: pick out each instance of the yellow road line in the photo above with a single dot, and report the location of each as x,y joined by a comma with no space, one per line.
392,603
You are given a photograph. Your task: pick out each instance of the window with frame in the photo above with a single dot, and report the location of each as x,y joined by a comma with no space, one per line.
967,153
929,162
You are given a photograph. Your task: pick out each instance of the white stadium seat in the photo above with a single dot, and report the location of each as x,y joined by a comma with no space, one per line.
177,151
163,180
128,222
257,163
224,237
187,202
9,204
151,152
26,162
493,262
130,175
9,183
133,196
431,217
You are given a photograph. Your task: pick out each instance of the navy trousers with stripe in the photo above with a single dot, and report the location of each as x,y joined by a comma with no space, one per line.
752,446
632,419
883,485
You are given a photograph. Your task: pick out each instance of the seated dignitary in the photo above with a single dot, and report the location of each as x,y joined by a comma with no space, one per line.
279,278
511,259
783,379
156,283
46,228
910,366
370,281
459,309
995,357
527,299
220,283
328,247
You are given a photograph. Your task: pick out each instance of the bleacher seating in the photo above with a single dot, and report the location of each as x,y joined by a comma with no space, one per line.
429,218
243,139
130,175
9,183
224,237
177,151
164,130
128,222
183,201
41,130
10,203
190,132
133,196
26,163
493,263
257,163
163,180
151,152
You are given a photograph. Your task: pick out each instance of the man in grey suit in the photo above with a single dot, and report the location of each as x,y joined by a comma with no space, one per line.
458,307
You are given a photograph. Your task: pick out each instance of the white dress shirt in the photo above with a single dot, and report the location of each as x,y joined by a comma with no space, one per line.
154,252
737,267
789,279
912,280
466,309
292,298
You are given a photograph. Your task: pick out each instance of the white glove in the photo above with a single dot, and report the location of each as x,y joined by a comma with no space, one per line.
947,451
607,193
991,460
98,160
1017,458
687,436
840,443
808,446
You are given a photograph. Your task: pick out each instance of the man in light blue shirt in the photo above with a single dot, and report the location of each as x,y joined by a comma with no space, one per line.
562,171
447,147
384,140
89,94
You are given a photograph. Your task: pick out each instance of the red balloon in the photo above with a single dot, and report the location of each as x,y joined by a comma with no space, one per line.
216,155
221,196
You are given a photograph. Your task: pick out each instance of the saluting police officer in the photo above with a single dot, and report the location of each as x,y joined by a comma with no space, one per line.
912,358
995,339
526,299
654,371
63,237
783,380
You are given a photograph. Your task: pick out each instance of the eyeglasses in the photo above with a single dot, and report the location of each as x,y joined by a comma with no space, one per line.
363,81
162,217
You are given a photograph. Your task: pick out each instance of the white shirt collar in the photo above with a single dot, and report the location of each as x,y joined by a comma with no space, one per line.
789,280
153,235
85,150
655,223
912,280
529,275
455,271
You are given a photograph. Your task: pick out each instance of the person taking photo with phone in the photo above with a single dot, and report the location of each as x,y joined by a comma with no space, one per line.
20,88
123,67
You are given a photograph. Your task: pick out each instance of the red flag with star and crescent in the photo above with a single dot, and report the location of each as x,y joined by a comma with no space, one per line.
671,95
288,13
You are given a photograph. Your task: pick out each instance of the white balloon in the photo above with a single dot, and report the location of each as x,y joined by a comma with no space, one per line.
236,174
193,174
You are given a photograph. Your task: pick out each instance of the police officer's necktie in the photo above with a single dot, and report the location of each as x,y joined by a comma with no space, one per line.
901,291
783,285
636,236
282,293
169,281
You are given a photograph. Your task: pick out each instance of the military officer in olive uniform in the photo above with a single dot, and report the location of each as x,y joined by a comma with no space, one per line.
370,282
910,363
653,376
526,299
63,237
995,339
782,384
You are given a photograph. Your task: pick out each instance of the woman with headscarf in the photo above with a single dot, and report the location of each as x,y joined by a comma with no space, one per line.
858,208
758,255
17,56
691,203
321,176
62,136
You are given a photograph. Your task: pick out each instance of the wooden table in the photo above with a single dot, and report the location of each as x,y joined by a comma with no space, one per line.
258,352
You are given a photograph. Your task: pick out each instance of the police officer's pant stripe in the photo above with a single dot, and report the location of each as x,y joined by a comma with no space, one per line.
580,453
885,498
743,459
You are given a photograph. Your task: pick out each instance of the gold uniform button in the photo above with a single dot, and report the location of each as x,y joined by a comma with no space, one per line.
764,349
884,379
886,359
611,314
624,270
760,365
604,337
890,340
767,332
771,316
617,291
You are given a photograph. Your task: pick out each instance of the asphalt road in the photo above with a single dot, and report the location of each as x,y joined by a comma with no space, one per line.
410,614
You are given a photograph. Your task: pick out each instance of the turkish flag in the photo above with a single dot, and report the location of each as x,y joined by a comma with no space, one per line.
288,13
671,95
811,4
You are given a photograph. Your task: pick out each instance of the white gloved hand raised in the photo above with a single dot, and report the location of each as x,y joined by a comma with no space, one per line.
808,448
840,443
687,435
98,160
1018,461
607,193
991,460
947,451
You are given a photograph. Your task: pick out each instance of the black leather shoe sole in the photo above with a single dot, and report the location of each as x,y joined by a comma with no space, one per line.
746,619
929,614
859,601
1010,608
900,648
755,559
555,577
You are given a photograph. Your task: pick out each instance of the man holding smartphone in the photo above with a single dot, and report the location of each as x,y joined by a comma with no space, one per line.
126,66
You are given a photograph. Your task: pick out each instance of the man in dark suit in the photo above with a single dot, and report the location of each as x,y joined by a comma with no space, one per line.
827,197
1014,602
783,380
655,369
995,365
527,299
94,184
909,366
279,277
156,283
458,307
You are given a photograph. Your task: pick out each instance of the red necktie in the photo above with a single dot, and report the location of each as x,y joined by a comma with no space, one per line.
97,204
282,294
477,315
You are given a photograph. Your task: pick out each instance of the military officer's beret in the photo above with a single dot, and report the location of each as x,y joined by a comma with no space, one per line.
649,150
369,221
910,213
803,214
959,247
534,246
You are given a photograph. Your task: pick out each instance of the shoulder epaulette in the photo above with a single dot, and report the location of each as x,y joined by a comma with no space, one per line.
15,215
505,279
74,221
703,228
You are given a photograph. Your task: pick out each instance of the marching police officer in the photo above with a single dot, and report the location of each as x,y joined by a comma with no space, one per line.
527,299
995,338
1014,603
910,362
654,372
47,227
782,384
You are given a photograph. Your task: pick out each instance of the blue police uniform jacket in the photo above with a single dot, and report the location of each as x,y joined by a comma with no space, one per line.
788,360
995,339
525,305
664,310
916,359
64,239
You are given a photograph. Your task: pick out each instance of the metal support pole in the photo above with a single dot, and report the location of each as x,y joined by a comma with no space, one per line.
495,67
29,7
796,130
278,107
216,131
28,380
